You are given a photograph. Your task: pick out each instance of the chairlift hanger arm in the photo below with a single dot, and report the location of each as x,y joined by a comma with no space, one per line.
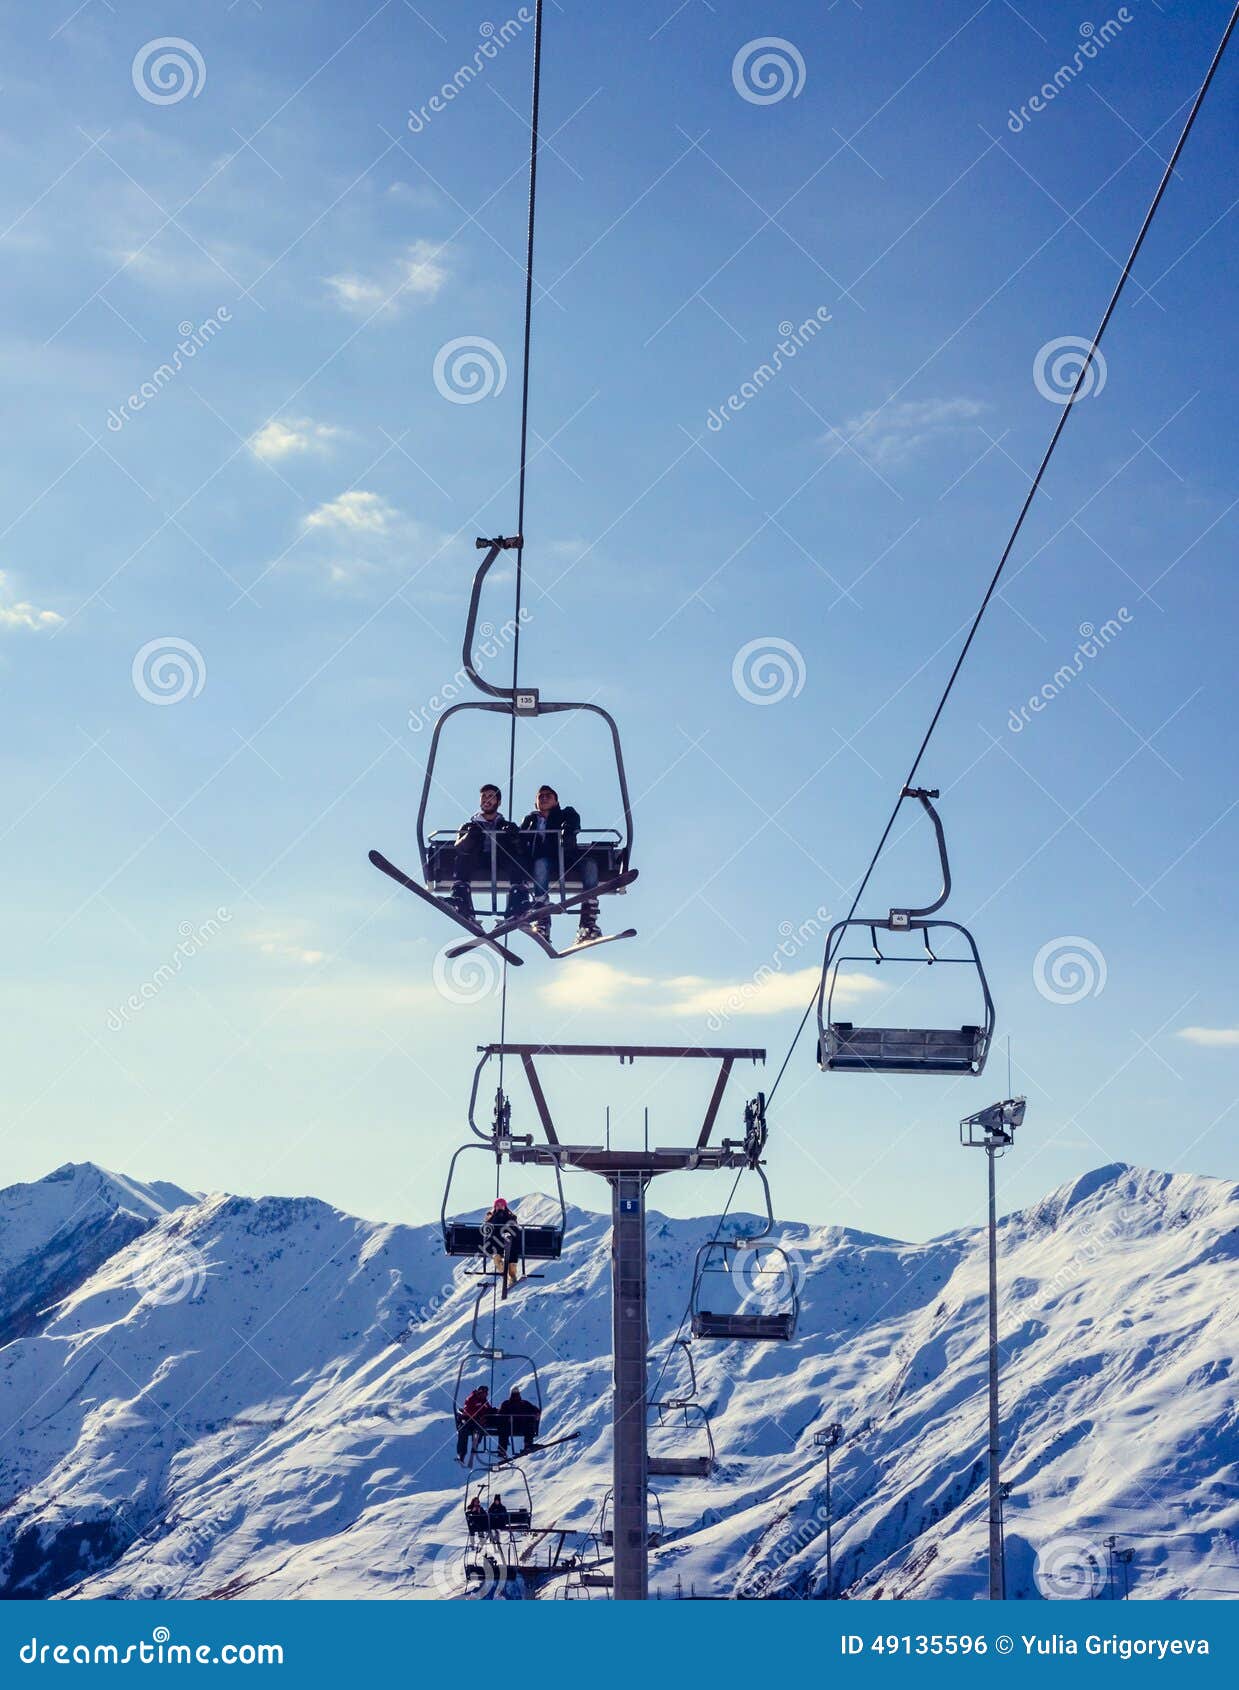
492,549
924,795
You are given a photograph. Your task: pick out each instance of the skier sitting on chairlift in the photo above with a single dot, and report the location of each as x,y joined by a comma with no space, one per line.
473,855
500,1235
473,1423
475,1515
518,1418
497,1515
548,821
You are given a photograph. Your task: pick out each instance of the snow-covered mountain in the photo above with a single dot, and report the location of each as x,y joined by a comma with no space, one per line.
56,1232
253,1397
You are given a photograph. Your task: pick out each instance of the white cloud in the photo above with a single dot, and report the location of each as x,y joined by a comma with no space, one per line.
21,613
287,436
284,944
420,274
765,993
1210,1036
599,985
894,432
592,985
354,512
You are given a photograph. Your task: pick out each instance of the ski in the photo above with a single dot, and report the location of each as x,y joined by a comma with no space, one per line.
581,945
480,936
521,922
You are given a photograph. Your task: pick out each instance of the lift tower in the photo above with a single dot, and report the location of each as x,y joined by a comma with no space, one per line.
993,1130
628,1173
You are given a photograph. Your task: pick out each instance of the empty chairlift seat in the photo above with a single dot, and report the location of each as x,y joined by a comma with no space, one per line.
845,1047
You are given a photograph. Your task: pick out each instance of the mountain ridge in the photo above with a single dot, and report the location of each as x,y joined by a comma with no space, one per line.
253,1395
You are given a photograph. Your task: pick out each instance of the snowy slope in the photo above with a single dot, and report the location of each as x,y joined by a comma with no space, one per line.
254,1397
55,1232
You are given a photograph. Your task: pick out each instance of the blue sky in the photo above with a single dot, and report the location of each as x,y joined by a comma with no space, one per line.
296,504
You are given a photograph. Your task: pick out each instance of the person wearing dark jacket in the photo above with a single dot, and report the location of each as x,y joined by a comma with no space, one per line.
518,1418
546,825
497,1515
501,1239
487,830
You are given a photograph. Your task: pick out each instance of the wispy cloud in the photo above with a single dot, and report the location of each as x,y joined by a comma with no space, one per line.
288,437
895,433
20,613
354,512
1210,1036
419,275
284,944
600,985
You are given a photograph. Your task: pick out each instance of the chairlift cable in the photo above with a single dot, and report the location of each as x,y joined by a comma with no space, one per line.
1085,372
534,144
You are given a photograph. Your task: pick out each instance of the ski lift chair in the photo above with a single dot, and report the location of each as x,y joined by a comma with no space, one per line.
520,1519
682,1419
719,1260
489,1439
845,1047
658,1526
462,1237
609,848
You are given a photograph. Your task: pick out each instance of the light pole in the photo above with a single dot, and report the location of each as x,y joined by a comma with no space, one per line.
829,1438
993,1130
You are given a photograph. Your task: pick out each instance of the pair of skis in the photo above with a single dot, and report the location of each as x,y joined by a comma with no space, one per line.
523,922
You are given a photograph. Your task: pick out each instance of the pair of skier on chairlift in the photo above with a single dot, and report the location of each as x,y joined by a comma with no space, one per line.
529,854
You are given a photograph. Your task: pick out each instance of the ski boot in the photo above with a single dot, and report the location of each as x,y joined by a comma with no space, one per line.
588,928
461,900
